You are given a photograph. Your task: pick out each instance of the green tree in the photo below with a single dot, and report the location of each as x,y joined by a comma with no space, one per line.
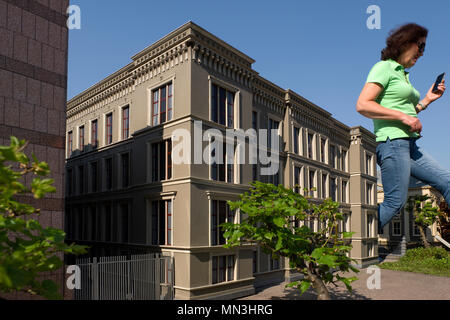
26,248
425,214
270,217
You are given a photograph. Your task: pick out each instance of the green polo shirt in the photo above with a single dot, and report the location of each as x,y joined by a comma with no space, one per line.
398,94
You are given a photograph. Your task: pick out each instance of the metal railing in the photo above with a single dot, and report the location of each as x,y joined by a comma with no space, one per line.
143,277
442,241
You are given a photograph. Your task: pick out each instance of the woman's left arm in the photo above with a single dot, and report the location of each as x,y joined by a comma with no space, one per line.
431,96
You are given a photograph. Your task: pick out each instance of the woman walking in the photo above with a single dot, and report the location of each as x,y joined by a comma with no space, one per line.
391,101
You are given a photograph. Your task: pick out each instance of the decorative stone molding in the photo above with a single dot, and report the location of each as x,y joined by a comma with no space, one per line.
218,63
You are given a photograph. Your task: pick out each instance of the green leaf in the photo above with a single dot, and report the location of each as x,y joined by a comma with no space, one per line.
279,244
269,235
292,284
279,221
347,235
317,253
304,286
328,260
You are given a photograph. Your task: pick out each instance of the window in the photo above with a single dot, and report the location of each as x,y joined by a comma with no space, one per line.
344,160
115,226
370,232
296,138
346,223
108,173
220,213
254,172
310,145
369,196
255,120
222,169
80,224
81,138
274,178
125,160
100,221
70,143
255,261
126,122
324,185
94,177
108,221
69,181
162,160
273,125
297,172
368,164
323,143
396,227
109,128
333,157
93,222
344,191
370,250
222,106
223,269
255,126
274,263
333,189
312,182
81,179
94,134
338,158
162,222
124,223
162,104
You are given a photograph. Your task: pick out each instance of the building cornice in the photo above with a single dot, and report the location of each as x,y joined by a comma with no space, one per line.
189,40
363,135
269,95
193,31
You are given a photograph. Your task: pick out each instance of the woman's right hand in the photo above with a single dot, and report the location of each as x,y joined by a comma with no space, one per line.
413,122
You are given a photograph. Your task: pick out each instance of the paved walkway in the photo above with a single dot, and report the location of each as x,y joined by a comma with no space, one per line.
395,285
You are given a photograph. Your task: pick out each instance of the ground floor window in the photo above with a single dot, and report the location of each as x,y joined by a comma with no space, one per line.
223,268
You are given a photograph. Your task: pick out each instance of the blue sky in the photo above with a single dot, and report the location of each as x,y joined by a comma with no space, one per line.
321,49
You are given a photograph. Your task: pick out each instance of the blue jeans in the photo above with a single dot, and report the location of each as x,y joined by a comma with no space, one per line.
400,159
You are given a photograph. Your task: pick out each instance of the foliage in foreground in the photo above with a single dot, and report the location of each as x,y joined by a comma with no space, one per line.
26,248
432,260
270,217
425,214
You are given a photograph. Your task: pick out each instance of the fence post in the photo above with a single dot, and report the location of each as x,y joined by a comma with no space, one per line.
129,291
157,278
94,272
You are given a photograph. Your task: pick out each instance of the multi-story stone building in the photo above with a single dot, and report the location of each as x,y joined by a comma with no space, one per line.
33,94
125,191
403,224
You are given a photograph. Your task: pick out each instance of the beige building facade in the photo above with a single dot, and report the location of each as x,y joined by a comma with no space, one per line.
125,193
403,225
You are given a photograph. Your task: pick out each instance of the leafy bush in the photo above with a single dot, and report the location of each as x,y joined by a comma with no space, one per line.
271,217
26,248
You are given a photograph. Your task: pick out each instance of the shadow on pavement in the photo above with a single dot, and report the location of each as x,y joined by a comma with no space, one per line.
335,293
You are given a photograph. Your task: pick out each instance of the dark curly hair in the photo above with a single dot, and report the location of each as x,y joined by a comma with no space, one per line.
399,39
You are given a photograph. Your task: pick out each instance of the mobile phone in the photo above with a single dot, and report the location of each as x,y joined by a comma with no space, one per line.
438,81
